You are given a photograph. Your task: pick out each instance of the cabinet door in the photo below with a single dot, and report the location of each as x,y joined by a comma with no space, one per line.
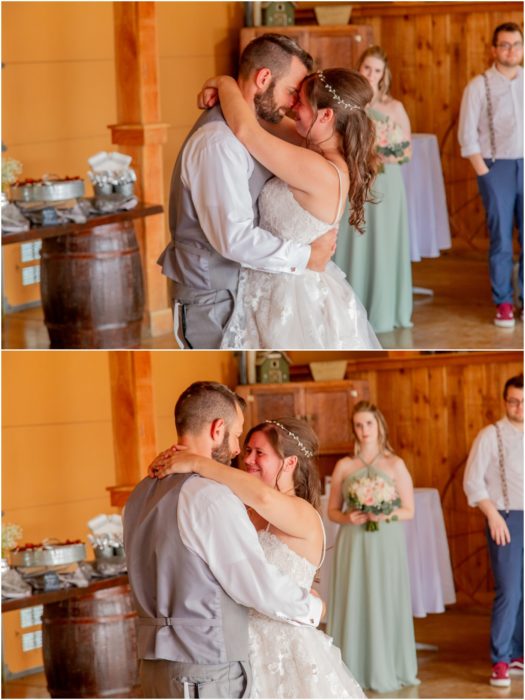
330,47
272,401
329,409
334,48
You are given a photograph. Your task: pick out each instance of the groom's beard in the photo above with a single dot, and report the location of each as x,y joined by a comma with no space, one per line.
222,453
266,107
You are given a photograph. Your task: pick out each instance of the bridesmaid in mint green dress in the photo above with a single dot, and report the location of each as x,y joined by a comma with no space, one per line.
369,613
377,262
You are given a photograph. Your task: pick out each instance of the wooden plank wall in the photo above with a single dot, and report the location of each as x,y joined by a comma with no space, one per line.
434,409
434,49
433,56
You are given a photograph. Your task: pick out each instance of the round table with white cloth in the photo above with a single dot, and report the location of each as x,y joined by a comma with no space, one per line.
426,199
431,581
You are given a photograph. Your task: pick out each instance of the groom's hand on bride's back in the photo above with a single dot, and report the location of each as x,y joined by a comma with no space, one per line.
321,250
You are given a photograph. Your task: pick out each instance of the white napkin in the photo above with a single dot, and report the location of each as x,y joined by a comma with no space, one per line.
13,221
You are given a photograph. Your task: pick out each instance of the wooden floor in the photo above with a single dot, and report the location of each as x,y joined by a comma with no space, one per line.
458,316
459,668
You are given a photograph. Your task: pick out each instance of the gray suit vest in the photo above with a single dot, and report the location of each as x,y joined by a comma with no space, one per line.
184,614
189,260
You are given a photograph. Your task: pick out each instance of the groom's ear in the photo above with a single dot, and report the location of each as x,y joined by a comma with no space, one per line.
217,429
263,77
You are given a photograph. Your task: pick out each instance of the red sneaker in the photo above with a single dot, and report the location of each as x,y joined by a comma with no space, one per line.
500,675
516,667
504,316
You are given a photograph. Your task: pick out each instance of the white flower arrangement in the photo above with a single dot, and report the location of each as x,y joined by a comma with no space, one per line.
11,534
11,169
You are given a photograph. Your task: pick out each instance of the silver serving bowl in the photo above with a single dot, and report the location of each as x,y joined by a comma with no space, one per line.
56,555
110,555
51,191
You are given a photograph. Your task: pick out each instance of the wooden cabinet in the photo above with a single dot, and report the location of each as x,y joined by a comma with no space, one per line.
327,406
337,46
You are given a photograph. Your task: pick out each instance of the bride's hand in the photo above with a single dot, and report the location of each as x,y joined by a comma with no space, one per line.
167,463
208,96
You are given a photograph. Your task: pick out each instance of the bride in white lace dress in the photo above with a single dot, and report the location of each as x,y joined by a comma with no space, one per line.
324,156
287,661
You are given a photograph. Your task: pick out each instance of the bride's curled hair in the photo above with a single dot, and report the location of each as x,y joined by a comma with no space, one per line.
293,436
348,93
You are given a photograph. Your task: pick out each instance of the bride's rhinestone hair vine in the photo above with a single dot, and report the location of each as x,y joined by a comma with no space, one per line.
334,94
306,452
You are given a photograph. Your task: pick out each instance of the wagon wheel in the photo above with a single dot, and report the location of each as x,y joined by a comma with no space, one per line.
468,545
466,212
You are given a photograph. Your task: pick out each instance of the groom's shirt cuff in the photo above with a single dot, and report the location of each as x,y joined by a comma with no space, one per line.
216,169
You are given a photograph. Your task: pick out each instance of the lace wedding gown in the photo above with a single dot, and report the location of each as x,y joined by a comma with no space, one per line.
290,661
287,311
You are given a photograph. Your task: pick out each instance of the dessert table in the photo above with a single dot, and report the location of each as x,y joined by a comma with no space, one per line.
91,283
426,200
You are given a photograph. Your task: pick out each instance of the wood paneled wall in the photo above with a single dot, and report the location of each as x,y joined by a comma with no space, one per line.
433,56
434,49
435,406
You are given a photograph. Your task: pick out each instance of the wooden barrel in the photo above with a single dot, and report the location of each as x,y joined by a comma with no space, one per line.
92,288
90,647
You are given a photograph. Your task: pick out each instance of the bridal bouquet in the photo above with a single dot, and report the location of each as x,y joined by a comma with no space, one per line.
391,143
372,494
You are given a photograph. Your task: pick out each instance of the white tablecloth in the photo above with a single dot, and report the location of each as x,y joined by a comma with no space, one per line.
426,199
431,582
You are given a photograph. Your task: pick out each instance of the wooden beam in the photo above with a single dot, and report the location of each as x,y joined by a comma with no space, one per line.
141,134
134,433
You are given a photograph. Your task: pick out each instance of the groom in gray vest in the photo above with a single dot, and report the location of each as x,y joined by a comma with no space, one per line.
213,213
195,565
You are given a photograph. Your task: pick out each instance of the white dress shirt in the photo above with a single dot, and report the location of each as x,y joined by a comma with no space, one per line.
214,524
507,108
482,476
216,168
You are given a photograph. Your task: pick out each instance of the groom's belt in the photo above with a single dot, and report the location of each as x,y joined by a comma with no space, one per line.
177,621
190,295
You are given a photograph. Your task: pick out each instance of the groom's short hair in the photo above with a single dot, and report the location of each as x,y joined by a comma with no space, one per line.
202,403
273,51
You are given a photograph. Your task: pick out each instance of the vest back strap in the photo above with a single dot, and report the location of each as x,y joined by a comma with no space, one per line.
176,622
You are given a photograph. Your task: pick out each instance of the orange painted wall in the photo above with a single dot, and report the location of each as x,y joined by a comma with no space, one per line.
57,454
58,85
196,40
58,97
57,443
